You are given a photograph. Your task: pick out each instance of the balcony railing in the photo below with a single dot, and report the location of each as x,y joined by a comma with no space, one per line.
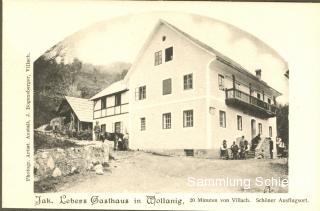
237,97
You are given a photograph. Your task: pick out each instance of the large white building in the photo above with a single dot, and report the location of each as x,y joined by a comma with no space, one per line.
182,94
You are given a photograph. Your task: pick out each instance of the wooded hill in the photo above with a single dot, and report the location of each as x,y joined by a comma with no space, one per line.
53,81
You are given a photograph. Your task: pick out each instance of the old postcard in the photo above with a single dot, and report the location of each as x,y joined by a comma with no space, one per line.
160,105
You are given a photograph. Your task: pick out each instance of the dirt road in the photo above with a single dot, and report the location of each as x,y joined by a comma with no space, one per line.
145,172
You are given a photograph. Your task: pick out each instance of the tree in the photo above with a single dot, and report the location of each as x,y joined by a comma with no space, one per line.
283,123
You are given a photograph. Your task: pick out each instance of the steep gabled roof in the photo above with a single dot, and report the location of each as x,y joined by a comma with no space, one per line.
113,88
220,57
81,107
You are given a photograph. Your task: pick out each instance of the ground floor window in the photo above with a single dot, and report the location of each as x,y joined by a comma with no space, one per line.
222,118
239,122
166,121
270,131
142,123
117,127
260,128
188,118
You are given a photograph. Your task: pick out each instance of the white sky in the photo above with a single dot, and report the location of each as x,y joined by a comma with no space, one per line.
121,38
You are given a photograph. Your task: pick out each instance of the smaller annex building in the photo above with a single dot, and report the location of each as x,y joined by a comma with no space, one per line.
111,108
77,113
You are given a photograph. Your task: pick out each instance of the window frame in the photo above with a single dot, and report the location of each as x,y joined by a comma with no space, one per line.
221,82
142,124
188,122
270,131
166,121
103,103
141,93
239,122
260,128
222,119
117,99
188,81
157,58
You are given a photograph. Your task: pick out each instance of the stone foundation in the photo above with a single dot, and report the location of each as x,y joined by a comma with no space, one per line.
199,153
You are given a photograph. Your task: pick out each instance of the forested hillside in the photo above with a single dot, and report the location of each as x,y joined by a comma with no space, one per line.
53,80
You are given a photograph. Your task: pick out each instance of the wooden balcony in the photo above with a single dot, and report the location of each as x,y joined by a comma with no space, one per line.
249,104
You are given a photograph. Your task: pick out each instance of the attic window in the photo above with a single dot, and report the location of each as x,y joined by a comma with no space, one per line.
163,38
169,54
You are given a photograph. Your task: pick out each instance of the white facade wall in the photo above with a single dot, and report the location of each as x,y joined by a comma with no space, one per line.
109,122
187,59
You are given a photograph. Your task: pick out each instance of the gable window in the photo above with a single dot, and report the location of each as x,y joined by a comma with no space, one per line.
188,118
260,128
157,58
221,82
169,54
103,103
166,87
140,93
142,123
222,118
270,131
239,122
118,99
166,121
187,81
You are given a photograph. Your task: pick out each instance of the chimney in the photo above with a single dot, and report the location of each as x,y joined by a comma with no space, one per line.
258,74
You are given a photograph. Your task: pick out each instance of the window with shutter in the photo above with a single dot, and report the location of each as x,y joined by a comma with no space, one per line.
169,54
166,86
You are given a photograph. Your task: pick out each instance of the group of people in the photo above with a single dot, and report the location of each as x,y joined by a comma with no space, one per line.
120,141
237,151
241,151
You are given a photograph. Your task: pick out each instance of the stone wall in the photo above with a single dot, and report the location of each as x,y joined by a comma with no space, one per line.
61,162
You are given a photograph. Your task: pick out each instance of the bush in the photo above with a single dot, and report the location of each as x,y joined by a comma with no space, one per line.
42,141
84,135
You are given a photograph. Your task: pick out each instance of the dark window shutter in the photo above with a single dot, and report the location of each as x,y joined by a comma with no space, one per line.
166,86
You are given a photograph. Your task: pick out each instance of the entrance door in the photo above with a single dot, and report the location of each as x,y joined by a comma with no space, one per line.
253,128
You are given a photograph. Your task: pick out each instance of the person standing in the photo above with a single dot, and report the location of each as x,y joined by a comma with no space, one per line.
271,148
246,149
281,148
97,131
126,141
224,150
234,149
